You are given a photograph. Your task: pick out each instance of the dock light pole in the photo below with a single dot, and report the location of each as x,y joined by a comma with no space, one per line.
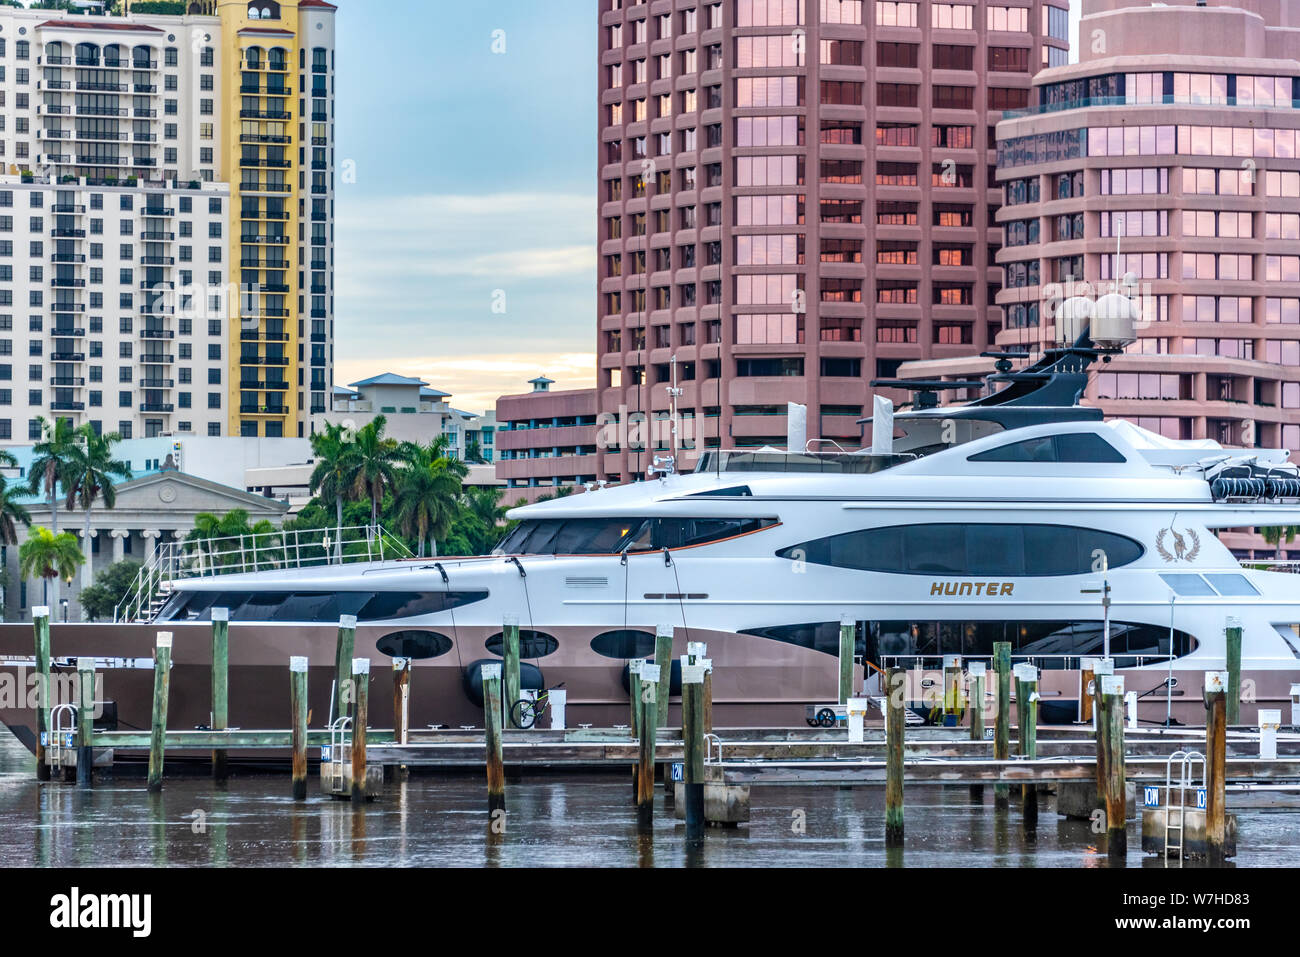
1104,592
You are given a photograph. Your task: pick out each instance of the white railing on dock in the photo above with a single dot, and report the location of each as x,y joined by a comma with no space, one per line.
239,554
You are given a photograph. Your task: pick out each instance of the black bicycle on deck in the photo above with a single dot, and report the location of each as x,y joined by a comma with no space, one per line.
524,713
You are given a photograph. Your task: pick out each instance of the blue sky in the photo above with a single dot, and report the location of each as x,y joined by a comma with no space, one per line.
474,173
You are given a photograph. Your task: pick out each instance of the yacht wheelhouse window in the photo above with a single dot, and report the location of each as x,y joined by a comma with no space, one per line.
1232,586
1073,447
1189,586
308,607
609,536
1207,586
994,551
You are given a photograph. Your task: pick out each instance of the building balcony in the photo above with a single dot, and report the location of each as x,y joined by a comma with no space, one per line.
260,138
265,314
248,186
67,382
318,264
257,335
264,264
264,115
53,110
60,282
157,359
158,260
56,85
159,211
55,60
67,332
143,114
263,410
157,334
144,137
157,286
67,208
56,134
274,216
144,161
100,111
148,383
157,407
68,406
155,237
68,357
263,240
61,233
277,361
257,162
67,307
102,87
144,88
72,258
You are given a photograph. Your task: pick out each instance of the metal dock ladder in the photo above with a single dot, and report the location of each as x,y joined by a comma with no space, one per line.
334,778
1186,787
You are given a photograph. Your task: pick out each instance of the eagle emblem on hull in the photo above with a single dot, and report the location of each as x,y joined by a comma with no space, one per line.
1186,545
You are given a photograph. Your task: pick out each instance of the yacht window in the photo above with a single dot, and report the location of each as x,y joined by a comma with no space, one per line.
985,550
1232,586
738,491
416,645
532,644
1074,447
309,607
610,536
624,644
1188,586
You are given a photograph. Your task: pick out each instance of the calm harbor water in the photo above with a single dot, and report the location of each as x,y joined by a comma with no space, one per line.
586,821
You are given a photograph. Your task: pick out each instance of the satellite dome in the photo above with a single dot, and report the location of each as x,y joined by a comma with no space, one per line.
1114,323
1073,318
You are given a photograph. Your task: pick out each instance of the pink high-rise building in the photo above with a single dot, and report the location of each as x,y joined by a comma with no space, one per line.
1176,138
795,197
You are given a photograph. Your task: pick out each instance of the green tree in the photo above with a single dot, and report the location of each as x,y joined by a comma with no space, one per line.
333,451
474,451
12,510
427,492
229,540
93,473
112,586
50,464
1279,537
372,468
47,555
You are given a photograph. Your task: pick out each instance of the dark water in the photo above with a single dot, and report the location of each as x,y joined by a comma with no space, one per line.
553,821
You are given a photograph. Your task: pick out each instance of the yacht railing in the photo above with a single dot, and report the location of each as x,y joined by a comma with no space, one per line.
1042,662
831,463
240,554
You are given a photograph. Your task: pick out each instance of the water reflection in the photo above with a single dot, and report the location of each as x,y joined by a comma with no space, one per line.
567,820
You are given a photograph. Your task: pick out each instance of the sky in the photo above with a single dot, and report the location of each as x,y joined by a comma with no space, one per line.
466,206
466,185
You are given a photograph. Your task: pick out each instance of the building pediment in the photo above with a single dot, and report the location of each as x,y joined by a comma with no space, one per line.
155,498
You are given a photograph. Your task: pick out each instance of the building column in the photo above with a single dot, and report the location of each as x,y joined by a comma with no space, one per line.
119,546
87,571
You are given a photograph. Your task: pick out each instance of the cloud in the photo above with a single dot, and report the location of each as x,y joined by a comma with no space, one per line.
425,270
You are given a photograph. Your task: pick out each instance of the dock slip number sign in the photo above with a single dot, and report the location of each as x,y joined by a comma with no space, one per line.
1151,797
679,771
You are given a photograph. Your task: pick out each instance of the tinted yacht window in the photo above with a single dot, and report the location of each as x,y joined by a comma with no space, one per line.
308,607
1075,447
609,536
997,551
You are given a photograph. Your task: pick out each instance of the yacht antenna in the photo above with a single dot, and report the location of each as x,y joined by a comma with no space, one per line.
674,393
1119,239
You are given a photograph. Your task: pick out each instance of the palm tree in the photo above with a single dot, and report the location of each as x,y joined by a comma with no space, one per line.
1279,537
50,464
47,555
333,450
12,512
92,471
428,491
372,467
230,539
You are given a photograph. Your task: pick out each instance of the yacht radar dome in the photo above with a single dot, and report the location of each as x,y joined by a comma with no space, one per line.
1114,321
1073,318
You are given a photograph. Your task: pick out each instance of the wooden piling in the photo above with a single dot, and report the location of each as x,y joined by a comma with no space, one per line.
977,678
220,695
158,725
953,701
1027,704
847,643
1218,699
1111,726
634,693
895,722
342,665
1002,731
41,627
1232,639
360,718
401,700
664,659
85,722
496,772
298,714
693,749
647,686
708,694
1086,677
510,682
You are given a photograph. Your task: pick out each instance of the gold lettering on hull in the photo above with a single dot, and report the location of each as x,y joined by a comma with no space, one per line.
972,590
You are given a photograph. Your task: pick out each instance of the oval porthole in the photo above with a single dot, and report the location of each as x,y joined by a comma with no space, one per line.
418,645
624,644
532,644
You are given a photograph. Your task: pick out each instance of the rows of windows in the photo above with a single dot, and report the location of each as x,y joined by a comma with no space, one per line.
971,550
600,536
